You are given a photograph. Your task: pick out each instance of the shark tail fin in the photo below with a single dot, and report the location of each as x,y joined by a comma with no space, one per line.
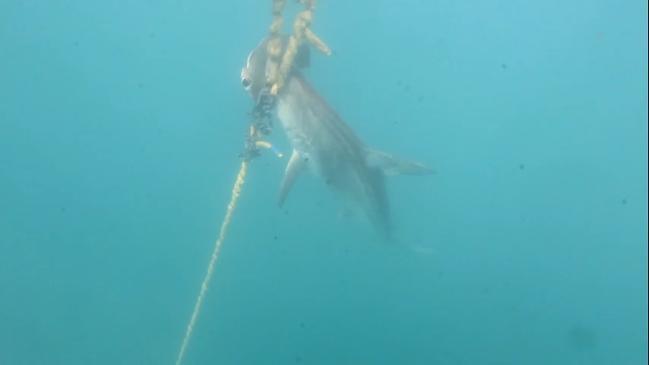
377,204
392,166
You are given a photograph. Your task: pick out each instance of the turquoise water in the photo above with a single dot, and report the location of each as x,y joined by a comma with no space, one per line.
120,125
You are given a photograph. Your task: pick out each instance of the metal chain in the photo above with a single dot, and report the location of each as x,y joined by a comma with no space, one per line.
261,123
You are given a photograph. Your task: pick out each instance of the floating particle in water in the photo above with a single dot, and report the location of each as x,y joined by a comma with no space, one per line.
521,166
504,66
582,338
275,237
624,201
420,99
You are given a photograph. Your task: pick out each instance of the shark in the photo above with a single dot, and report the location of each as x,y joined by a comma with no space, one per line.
324,144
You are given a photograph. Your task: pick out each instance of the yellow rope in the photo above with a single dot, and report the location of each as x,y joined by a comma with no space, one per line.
236,192
279,65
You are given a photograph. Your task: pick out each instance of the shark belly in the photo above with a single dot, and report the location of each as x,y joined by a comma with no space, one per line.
328,147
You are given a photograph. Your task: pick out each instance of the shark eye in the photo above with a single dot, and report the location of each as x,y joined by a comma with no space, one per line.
245,82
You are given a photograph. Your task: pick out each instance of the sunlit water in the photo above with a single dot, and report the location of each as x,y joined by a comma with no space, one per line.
120,125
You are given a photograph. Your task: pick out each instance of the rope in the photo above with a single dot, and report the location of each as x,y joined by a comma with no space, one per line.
234,198
279,65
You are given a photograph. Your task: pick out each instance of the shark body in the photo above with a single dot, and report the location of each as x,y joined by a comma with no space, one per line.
324,144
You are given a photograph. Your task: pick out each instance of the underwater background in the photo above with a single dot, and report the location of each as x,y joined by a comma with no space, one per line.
120,126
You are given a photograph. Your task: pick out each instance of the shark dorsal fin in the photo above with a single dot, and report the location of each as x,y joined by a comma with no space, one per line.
392,166
293,168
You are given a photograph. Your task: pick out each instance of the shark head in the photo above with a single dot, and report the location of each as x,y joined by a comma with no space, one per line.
255,70
253,73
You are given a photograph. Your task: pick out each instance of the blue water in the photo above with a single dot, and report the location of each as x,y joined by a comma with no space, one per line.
120,125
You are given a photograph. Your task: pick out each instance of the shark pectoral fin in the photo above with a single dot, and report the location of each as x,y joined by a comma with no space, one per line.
295,165
392,166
